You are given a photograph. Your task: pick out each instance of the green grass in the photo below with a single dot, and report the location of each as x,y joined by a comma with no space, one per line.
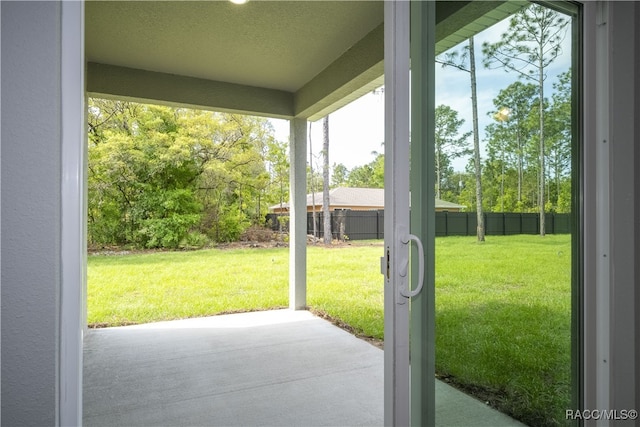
502,307
143,288
503,318
346,284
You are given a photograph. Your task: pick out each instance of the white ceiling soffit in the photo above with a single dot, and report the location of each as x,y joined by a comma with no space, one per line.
458,20
271,58
271,44
220,55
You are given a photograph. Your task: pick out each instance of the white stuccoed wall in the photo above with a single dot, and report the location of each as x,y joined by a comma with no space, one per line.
31,211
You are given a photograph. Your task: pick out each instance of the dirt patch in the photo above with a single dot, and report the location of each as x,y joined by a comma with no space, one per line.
101,325
251,245
336,244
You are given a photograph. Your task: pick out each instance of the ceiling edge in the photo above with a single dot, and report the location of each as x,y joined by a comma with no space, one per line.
356,68
160,88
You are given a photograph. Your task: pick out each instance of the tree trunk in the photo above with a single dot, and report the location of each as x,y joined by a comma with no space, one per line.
557,176
520,154
281,205
476,143
437,174
325,177
542,170
313,189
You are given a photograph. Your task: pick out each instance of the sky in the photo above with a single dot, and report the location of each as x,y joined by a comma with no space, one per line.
356,131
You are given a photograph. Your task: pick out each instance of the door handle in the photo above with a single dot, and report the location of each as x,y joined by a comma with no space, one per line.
408,293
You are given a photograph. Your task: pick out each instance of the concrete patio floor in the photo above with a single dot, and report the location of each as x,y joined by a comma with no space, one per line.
272,368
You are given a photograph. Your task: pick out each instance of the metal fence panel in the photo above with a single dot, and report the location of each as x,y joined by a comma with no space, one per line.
441,224
456,224
494,224
362,225
530,223
548,223
562,224
512,223
472,223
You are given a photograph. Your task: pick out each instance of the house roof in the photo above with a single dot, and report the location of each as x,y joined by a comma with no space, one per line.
344,197
347,197
443,204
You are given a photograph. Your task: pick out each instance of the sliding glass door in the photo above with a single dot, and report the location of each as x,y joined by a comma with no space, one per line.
482,304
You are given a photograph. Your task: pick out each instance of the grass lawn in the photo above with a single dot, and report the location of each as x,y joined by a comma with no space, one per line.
149,287
503,322
502,307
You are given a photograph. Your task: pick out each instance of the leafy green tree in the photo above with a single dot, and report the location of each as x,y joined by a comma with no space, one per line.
378,170
449,142
277,158
559,143
467,194
532,42
159,176
312,180
515,107
339,176
108,115
230,149
154,175
370,175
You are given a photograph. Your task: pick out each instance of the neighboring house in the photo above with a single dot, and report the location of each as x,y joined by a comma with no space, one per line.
357,199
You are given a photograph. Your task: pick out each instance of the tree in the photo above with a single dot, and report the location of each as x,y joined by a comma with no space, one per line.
476,142
531,44
449,143
325,180
339,176
514,107
160,176
459,60
370,175
146,172
277,158
559,137
312,185
233,170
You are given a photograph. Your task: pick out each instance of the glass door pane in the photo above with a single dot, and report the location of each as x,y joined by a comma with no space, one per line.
504,173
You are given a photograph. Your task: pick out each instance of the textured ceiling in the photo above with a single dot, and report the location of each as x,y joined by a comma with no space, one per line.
274,58
273,44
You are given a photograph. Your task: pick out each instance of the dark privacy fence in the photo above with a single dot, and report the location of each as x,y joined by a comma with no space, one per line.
345,224
363,225
465,223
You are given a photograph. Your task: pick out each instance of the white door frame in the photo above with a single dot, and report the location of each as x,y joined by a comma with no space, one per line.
396,202
74,215
402,265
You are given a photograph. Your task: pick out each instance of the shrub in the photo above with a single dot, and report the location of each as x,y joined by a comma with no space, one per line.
230,225
166,232
194,240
